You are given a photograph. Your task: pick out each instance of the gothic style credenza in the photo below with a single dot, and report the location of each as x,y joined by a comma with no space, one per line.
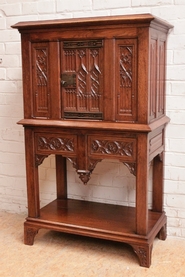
94,89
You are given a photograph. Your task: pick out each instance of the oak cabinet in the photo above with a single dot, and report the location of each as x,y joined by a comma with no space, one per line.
94,89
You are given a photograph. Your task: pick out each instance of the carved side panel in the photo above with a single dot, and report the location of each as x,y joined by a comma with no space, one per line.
40,77
161,82
82,98
126,79
156,144
157,76
153,79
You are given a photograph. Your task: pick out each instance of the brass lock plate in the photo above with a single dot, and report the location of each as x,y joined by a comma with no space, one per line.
68,80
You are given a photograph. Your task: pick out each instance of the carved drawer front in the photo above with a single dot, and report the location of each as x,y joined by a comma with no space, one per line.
55,143
112,147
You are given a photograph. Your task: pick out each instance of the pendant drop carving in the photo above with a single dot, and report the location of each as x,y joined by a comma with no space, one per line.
84,175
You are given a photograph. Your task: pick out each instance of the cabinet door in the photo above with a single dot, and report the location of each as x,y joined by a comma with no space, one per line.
82,79
126,79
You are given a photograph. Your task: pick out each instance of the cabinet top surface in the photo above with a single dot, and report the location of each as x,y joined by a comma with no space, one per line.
146,19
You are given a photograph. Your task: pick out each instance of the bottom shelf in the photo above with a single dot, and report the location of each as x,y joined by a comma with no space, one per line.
98,220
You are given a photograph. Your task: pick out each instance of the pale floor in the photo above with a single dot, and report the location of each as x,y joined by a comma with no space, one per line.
60,255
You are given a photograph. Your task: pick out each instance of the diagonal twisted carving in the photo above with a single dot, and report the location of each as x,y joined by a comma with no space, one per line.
110,147
56,143
41,63
126,66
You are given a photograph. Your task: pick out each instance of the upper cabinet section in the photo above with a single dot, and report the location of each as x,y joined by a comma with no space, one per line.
106,69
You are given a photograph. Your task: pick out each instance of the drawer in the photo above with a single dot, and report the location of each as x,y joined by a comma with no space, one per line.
112,147
57,143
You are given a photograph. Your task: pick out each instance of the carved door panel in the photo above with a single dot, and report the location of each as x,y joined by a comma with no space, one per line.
126,79
82,79
40,76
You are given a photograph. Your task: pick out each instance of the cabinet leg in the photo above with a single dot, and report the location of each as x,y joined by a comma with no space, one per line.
29,234
144,254
163,233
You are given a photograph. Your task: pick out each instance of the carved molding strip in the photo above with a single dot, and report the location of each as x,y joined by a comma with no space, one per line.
111,147
83,115
55,143
84,43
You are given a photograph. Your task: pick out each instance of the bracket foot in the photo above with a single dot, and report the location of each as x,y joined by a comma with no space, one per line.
29,234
